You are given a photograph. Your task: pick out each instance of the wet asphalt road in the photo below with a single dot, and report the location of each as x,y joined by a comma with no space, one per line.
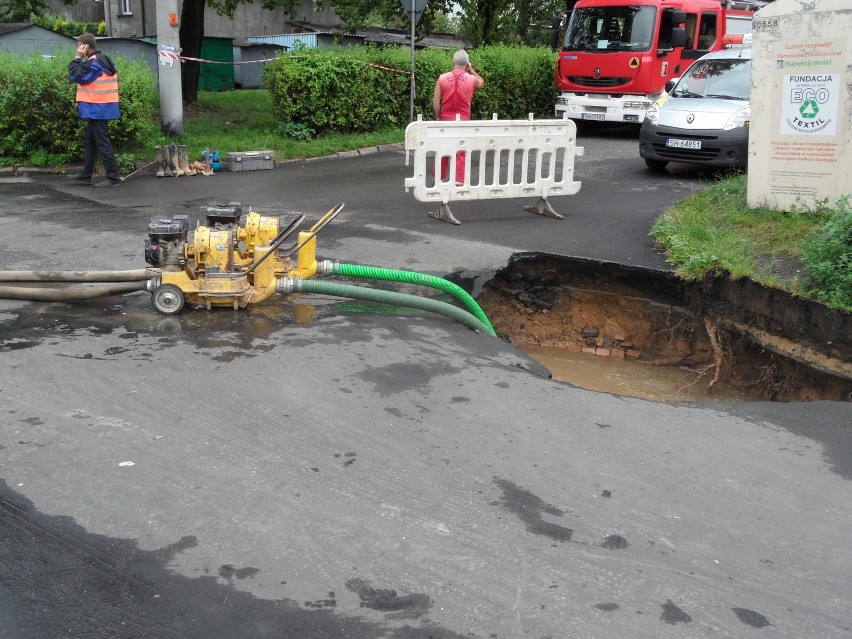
312,468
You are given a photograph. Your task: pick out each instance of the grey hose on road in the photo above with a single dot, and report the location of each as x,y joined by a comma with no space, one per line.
136,275
70,293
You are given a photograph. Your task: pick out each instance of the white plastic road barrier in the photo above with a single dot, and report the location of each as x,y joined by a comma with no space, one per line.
502,159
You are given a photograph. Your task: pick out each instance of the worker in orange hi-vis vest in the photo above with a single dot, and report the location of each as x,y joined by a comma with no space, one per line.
453,95
97,100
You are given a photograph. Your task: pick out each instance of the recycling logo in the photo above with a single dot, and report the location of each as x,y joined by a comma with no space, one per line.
809,109
810,102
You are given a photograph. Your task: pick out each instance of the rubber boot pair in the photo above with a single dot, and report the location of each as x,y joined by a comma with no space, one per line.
173,161
164,163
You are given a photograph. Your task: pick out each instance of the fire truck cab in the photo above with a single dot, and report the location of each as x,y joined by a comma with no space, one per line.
617,55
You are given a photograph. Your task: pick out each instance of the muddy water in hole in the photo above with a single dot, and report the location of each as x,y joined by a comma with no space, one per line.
764,343
631,378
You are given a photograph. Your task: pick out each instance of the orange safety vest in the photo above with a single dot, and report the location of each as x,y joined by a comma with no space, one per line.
104,90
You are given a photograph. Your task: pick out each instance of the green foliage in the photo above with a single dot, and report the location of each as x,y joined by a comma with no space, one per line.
526,22
827,256
445,22
696,236
39,121
296,131
21,10
480,22
486,21
138,100
242,120
518,81
336,90
71,29
361,89
229,7
363,13
126,162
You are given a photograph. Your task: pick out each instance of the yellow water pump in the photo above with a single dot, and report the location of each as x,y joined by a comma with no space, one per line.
225,262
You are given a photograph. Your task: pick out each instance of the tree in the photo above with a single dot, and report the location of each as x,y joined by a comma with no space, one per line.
445,23
526,22
534,20
191,35
21,10
357,13
486,21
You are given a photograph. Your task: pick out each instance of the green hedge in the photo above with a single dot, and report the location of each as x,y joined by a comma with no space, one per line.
39,121
71,29
351,90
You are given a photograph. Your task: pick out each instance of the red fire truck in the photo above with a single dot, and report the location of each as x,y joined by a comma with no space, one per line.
617,54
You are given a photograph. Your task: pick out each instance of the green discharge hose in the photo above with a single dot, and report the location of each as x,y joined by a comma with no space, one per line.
411,277
390,297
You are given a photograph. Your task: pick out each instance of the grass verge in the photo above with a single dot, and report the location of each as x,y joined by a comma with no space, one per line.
714,232
232,121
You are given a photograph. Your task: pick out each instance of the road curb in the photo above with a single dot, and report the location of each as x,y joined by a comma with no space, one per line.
23,171
370,150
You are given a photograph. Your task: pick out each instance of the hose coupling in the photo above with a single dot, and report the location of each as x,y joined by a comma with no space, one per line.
153,284
285,286
325,267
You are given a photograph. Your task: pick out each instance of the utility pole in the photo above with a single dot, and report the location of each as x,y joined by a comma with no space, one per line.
414,8
168,50
413,21
108,18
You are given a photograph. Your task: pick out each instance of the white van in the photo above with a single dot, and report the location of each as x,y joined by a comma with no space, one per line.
703,117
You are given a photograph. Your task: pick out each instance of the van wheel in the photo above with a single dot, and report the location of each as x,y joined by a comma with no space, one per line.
656,165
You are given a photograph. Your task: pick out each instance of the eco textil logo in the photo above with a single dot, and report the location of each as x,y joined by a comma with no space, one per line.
810,104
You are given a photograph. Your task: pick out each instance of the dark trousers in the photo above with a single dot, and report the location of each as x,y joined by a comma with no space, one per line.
96,140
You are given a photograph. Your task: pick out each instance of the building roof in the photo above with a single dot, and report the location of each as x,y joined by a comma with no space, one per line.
378,35
12,27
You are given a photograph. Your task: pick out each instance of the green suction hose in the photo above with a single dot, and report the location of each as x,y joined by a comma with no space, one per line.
409,277
290,285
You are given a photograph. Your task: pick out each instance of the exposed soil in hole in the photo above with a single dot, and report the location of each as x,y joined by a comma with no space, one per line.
761,340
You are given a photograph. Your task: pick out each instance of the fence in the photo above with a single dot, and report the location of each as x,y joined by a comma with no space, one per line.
492,159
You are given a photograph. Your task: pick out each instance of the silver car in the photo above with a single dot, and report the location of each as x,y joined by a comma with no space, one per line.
704,116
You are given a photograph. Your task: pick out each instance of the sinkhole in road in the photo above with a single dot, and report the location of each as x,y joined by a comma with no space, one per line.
642,332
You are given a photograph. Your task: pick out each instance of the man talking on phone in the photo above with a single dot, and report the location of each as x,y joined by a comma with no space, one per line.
452,97
97,100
